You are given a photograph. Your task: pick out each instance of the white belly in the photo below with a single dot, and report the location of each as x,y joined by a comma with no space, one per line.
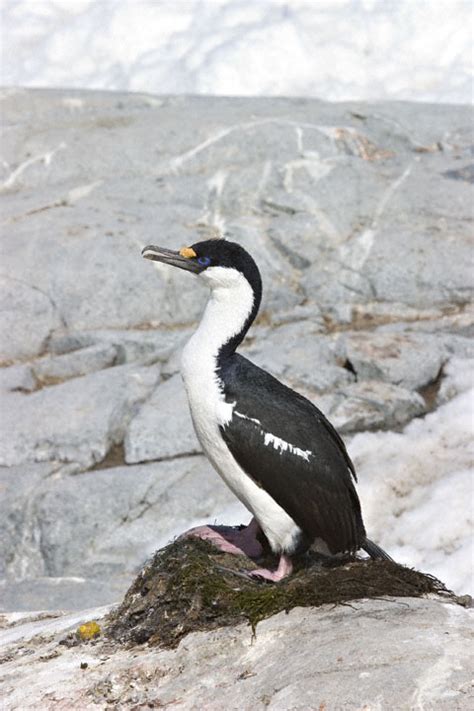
208,411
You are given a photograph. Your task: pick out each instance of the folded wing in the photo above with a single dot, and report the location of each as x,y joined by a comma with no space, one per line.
286,445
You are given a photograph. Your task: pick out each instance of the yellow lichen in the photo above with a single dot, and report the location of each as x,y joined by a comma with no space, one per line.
89,630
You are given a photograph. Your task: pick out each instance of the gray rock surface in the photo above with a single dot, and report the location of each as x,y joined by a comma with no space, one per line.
303,356
27,318
132,346
162,429
370,405
359,218
77,421
376,214
17,377
71,365
89,533
48,592
408,360
399,654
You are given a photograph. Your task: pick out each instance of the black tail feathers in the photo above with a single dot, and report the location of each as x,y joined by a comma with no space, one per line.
375,551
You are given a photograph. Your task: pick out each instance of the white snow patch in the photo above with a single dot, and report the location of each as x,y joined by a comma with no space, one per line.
417,492
349,49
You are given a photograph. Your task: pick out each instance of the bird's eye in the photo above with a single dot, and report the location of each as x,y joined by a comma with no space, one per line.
204,261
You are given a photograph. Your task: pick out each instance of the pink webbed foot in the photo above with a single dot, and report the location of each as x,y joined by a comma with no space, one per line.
285,568
229,539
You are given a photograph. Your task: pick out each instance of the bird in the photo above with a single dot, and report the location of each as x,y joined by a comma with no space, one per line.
274,449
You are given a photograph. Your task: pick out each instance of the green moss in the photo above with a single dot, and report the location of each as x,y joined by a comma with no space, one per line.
191,586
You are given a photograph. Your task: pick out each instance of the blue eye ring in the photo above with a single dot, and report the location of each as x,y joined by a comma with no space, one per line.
204,261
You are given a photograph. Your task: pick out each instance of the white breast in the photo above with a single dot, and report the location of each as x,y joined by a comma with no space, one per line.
225,314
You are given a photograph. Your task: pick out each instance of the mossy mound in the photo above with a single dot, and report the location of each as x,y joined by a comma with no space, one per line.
191,586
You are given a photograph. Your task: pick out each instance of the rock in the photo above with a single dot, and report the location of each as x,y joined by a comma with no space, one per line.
371,405
411,259
440,335
17,378
301,355
27,317
252,169
132,346
163,428
89,532
20,545
458,322
50,593
77,421
71,365
457,379
368,654
406,360
296,313
388,315
173,364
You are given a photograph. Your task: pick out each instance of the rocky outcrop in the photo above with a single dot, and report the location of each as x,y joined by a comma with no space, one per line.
80,539
399,653
359,217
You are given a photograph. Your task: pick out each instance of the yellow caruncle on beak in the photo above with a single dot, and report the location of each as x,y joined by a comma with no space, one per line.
187,252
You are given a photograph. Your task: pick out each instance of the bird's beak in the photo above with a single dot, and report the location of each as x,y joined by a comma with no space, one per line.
175,259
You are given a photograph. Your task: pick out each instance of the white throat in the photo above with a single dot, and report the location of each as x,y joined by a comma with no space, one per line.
227,310
229,306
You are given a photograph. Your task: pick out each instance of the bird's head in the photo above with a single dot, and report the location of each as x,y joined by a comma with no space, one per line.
221,264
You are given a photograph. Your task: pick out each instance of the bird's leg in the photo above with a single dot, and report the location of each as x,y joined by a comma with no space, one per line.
285,568
228,539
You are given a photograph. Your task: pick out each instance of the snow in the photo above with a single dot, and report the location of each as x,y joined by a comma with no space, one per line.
333,49
416,486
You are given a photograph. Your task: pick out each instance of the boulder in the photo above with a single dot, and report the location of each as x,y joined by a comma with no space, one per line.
85,535
27,318
77,421
132,346
302,355
410,361
51,369
371,405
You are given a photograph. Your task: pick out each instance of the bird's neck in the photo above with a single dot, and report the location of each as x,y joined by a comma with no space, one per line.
228,315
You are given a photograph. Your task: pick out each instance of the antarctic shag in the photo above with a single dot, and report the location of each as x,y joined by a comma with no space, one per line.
275,450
